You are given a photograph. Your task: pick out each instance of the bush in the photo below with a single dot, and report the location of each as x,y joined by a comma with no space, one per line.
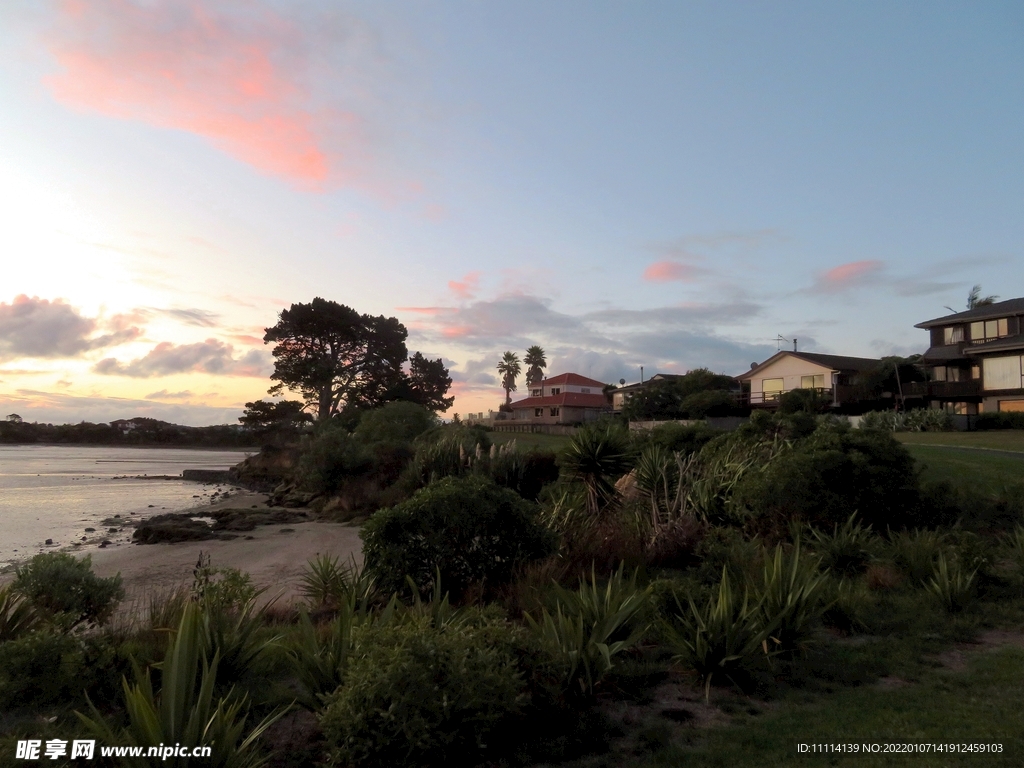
466,530
679,438
64,589
1006,420
17,617
418,695
792,598
332,457
398,422
831,475
917,420
40,669
916,553
952,585
847,550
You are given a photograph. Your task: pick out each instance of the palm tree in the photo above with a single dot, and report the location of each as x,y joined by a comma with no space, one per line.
509,369
974,299
537,362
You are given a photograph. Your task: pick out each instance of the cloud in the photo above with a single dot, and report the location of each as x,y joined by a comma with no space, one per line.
40,328
846,276
56,408
211,356
467,287
198,317
237,74
163,394
667,271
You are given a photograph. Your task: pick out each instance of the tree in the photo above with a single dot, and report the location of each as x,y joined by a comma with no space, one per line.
281,419
677,398
974,299
428,383
332,355
536,362
509,369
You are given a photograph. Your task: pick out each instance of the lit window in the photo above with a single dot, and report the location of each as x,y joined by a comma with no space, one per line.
939,373
975,371
953,335
772,388
813,382
989,330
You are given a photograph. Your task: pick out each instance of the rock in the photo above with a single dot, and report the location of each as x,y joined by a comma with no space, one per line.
49,541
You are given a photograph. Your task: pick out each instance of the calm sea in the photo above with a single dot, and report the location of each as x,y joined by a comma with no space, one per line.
56,492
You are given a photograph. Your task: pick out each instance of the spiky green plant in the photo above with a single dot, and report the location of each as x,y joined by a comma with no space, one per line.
917,552
185,710
847,550
598,456
714,639
320,655
951,585
793,597
591,625
17,616
326,582
1013,550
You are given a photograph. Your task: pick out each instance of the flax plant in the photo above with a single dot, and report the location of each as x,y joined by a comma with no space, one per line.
793,598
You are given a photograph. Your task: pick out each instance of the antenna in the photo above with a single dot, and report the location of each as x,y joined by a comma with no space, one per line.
778,342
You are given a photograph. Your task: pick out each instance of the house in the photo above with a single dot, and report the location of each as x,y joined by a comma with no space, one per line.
621,395
833,377
975,360
564,399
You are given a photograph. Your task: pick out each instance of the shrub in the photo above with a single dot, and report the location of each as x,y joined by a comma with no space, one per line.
847,550
598,456
40,669
332,458
792,598
917,420
952,585
17,617
445,457
466,530
849,604
185,711
719,636
416,695
916,553
677,438
1002,420
591,625
831,475
328,583
397,422
64,589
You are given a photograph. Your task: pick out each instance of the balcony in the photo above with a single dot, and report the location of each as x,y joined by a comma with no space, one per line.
771,399
943,390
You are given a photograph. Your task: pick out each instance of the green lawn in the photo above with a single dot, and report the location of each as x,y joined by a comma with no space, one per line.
528,440
983,470
982,703
997,439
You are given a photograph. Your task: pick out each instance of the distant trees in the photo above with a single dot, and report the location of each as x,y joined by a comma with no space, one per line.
509,368
337,358
695,395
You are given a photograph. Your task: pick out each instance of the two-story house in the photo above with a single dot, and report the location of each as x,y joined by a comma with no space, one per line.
564,399
976,360
833,377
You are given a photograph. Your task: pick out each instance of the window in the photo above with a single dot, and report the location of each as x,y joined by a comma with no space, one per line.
975,371
556,390
771,388
988,330
536,392
939,373
538,412
953,374
585,390
554,411
957,409
953,335
817,381
1011,406
1001,372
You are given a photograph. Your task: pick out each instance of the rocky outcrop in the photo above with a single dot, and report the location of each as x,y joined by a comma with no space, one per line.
266,470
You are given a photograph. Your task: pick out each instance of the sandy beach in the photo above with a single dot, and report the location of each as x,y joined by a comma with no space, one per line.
274,555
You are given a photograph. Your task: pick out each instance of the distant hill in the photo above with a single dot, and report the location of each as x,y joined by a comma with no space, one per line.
137,431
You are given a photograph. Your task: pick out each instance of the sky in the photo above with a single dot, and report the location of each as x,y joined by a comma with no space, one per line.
670,185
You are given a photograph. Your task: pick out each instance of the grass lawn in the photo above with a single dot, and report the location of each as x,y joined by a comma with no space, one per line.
997,439
528,440
985,471
982,703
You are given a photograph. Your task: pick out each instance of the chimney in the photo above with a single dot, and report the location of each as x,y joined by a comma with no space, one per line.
794,345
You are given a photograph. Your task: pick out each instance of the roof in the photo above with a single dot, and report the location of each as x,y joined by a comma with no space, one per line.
835,362
1007,343
988,312
572,378
944,353
570,399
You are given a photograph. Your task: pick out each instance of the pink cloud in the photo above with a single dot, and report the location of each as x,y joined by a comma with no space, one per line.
847,276
467,287
456,331
667,271
233,75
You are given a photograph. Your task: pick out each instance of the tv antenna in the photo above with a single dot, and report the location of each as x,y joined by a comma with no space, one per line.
779,339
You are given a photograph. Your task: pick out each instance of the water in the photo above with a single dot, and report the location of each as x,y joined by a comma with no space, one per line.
56,492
